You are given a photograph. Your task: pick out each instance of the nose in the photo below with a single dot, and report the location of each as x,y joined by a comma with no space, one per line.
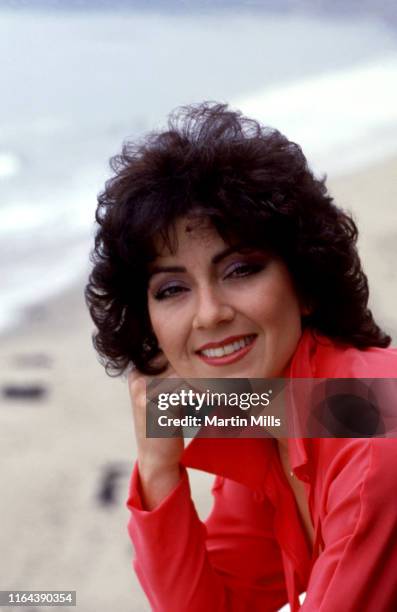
212,308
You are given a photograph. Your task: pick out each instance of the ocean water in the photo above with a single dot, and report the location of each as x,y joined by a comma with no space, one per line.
75,84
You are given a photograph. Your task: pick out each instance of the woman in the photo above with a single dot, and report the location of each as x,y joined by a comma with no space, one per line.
219,254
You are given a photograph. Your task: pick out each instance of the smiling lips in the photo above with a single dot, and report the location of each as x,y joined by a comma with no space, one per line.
228,351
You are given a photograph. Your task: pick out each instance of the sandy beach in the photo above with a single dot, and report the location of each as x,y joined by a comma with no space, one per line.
68,447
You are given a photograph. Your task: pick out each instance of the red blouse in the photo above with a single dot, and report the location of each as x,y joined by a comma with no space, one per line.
252,553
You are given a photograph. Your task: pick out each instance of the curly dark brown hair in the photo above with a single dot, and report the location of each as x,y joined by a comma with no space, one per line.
254,185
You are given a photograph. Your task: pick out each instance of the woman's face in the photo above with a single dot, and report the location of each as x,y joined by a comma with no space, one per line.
219,312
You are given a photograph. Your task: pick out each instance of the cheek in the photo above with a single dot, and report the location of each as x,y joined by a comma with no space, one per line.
276,305
167,327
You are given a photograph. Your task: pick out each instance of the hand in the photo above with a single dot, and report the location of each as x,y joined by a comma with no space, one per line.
158,458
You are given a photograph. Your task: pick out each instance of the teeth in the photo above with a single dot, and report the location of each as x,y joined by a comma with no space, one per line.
221,351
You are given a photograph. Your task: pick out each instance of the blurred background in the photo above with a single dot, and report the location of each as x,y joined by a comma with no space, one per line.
77,78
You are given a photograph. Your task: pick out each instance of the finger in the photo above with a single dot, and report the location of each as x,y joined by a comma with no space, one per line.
137,391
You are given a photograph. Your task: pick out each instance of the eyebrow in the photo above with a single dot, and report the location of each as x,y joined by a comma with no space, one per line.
215,260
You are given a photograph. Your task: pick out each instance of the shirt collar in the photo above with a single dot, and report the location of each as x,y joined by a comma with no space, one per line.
243,460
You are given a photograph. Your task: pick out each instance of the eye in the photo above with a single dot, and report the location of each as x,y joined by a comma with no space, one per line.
240,269
169,291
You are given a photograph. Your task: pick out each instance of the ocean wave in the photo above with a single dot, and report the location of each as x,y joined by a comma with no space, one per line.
342,119
36,280
10,165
